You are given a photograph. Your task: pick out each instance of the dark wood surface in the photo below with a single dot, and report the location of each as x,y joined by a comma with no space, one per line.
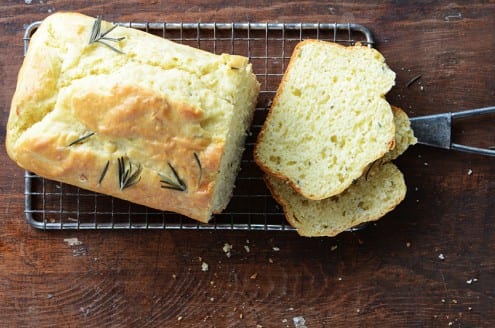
388,275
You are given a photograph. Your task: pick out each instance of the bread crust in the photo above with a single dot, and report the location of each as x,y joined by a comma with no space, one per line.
131,125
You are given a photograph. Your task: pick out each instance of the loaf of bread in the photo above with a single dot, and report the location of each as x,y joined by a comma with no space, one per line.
125,113
329,119
369,198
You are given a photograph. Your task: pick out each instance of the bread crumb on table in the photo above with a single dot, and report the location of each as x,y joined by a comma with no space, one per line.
226,249
441,256
299,322
204,266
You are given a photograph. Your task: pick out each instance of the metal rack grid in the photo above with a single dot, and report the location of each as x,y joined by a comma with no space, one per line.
53,205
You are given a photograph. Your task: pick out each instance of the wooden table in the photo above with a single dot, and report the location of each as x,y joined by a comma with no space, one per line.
429,263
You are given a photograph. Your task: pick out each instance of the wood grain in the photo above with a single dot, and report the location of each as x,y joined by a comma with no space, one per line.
427,264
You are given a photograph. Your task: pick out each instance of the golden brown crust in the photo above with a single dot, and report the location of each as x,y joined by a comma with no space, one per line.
275,101
65,93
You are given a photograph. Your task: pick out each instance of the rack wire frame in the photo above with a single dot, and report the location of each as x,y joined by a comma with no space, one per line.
51,205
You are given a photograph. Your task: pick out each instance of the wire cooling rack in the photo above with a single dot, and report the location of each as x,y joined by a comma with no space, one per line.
55,205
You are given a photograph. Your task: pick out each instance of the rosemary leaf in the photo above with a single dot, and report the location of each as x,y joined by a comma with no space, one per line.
103,173
97,36
128,175
196,157
411,81
176,184
81,139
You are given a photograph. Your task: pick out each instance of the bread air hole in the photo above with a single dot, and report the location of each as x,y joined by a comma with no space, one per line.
275,159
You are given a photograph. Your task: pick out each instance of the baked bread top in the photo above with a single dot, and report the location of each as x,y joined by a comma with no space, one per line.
132,115
329,118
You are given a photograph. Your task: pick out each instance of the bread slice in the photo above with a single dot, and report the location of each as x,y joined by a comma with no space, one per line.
370,197
367,199
134,116
404,135
329,118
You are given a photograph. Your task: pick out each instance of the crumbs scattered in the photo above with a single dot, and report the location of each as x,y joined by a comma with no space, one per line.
299,322
276,249
72,241
226,249
270,260
441,256
408,244
472,280
78,249
334,247
247,249
426,164
469,172
253,276
179,318
204,266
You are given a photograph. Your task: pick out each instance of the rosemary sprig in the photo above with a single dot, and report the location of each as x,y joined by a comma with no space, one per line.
103,173
78,140
196,157
128,175
168,183
98,36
